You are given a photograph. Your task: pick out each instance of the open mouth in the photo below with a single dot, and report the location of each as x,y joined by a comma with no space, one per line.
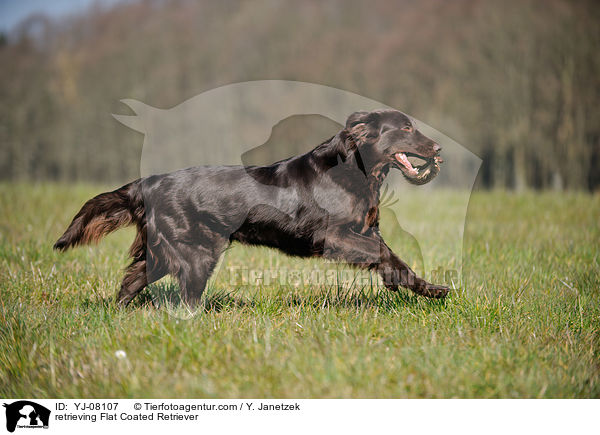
413,164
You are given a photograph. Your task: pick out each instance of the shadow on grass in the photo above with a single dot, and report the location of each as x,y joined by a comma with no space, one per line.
266,301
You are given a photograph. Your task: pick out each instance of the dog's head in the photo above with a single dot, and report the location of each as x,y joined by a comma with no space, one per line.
389,138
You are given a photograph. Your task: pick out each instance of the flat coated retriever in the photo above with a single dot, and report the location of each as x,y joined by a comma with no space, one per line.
324,203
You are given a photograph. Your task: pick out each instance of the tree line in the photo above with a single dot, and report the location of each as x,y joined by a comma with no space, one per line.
516,82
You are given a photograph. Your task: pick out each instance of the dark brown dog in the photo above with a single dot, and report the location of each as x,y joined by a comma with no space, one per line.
323,203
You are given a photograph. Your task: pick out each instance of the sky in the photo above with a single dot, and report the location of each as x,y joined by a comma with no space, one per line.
13,11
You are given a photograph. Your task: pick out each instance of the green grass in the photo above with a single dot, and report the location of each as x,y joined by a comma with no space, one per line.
524,324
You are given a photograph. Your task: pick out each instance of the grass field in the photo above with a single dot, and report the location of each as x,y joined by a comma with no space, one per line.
525,323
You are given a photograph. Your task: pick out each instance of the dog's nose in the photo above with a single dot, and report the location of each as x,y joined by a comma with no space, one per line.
437,148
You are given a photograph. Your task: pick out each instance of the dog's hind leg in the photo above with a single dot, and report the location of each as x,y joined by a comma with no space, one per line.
198,265
134,281
137,276
143,270
193,281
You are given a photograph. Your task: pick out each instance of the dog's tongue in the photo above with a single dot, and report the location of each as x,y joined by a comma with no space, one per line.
401,157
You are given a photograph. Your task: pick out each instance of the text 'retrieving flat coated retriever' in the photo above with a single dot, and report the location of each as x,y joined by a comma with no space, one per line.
324,203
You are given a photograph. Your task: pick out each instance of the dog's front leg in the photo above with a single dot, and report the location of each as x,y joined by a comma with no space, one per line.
369,251
396,272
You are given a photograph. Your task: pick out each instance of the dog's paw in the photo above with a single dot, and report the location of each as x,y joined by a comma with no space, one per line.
435,291
391,287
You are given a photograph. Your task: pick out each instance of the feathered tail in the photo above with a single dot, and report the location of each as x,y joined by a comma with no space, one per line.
103,214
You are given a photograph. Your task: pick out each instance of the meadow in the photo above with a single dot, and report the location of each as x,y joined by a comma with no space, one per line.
523,323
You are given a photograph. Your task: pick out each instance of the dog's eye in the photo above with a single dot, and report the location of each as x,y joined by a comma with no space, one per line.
407,128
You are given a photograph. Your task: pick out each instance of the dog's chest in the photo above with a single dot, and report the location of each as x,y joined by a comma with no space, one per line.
358,208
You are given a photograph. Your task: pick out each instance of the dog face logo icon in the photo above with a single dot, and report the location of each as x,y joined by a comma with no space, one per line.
26,414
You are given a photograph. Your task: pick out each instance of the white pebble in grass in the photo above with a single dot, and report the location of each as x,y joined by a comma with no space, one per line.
120,354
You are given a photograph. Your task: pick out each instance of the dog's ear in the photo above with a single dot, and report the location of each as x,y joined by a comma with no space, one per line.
363,126
361,117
